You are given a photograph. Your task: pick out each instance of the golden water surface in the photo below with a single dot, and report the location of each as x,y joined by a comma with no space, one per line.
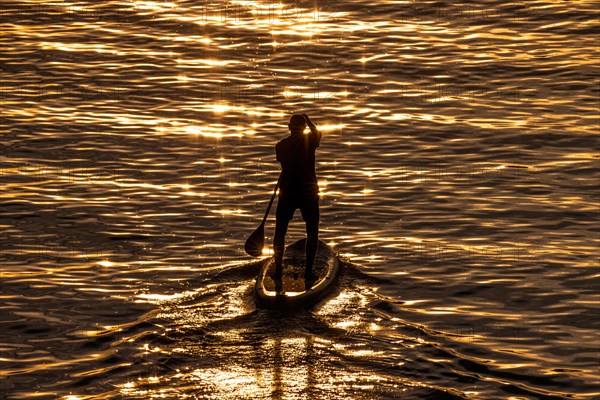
459,174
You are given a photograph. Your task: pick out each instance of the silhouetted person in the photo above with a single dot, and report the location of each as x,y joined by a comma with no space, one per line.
298,188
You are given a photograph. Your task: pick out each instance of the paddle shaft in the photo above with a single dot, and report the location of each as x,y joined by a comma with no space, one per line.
271,202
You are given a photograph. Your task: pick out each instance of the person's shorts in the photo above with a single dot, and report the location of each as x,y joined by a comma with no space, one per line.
308,205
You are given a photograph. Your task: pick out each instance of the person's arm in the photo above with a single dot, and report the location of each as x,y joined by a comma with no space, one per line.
313,129
277,152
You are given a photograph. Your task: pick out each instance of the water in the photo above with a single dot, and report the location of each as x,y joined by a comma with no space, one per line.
459,173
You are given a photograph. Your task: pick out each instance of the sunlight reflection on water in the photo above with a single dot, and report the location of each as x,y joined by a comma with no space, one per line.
458,172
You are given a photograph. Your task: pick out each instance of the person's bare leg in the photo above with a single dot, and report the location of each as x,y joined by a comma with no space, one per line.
281,227
312,243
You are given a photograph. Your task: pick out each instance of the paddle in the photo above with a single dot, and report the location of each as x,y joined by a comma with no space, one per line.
256,242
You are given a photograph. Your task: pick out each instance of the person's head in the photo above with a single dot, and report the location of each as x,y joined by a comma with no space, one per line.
297,124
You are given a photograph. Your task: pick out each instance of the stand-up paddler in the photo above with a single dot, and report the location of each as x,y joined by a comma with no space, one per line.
298,188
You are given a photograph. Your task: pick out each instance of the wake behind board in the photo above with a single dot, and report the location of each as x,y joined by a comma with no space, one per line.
295,294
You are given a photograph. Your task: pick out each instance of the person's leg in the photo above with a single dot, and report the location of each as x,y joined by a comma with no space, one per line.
310,213
312,242
281,227
284,213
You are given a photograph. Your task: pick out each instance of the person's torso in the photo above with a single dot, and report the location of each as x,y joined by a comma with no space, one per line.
296,154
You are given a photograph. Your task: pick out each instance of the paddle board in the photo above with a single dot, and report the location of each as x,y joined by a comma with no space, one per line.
294,292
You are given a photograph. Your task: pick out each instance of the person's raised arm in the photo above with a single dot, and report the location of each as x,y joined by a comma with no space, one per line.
313,129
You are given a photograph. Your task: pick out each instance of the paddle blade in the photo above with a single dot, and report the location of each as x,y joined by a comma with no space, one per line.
255,243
